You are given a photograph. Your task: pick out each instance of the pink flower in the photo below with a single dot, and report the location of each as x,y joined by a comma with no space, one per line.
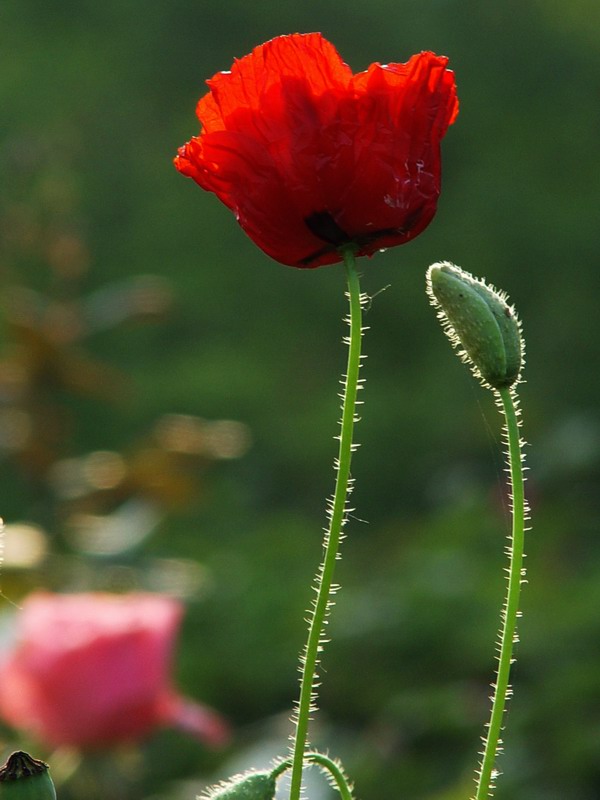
92,670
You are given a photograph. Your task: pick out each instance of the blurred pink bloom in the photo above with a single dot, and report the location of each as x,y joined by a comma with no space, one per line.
92,670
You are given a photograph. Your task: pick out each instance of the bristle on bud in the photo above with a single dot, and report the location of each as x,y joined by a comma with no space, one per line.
477,318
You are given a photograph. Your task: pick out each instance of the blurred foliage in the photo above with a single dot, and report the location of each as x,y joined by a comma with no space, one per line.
95,99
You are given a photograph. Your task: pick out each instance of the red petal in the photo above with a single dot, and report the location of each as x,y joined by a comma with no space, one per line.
404,111
240,171
262,77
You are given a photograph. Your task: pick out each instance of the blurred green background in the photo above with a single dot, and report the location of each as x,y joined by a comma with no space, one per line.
95,98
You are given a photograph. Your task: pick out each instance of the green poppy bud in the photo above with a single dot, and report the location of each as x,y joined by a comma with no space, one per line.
25,778
477,317
247,786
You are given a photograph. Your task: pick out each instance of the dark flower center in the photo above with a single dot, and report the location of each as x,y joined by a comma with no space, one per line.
323,225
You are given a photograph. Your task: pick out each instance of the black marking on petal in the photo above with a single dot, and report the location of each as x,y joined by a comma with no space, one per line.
323,225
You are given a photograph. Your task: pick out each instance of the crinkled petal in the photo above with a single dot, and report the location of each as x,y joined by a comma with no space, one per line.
244,176
404,111
310,157
268,77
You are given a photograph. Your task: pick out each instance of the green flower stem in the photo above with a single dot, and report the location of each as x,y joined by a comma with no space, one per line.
337,512
336,773
281,767
510,611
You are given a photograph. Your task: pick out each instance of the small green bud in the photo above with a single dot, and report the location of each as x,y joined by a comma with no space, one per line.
25,778
478,318
247,786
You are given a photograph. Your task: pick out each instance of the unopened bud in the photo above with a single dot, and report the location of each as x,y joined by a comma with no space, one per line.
25,778
247,786
477,317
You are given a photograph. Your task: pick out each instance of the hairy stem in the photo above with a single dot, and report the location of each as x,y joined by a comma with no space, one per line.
332,768
510,612
336,773
337,514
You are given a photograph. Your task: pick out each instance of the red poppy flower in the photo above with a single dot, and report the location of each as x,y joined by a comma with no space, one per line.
311,158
